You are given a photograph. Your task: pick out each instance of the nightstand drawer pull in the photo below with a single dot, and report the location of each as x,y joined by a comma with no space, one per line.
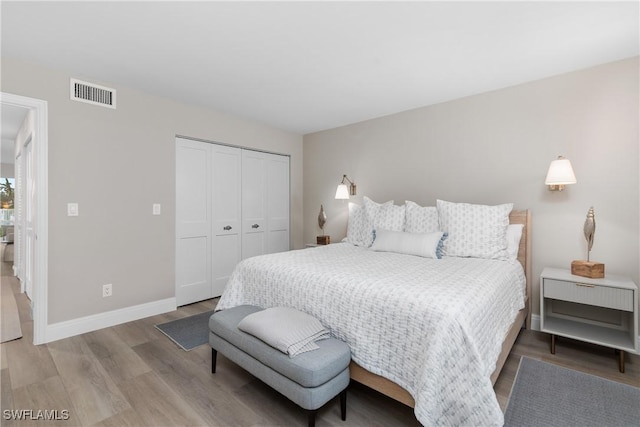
584,285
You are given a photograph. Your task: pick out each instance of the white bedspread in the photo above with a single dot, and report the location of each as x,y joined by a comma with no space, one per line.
435,327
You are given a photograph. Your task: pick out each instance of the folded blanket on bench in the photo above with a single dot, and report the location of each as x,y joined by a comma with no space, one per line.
286,329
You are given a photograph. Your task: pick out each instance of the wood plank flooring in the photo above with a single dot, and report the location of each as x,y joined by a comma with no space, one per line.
9,319
10,328
133,375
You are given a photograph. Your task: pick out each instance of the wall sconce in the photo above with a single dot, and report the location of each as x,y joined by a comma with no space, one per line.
343,192
560,173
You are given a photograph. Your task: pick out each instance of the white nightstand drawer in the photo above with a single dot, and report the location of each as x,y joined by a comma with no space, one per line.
583,293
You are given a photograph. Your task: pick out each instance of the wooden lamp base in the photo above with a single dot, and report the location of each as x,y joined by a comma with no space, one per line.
323,240
593,270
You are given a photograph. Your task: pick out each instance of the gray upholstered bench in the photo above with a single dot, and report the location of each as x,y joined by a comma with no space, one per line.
309,379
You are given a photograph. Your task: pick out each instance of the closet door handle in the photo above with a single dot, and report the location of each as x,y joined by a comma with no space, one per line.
227,227
255,226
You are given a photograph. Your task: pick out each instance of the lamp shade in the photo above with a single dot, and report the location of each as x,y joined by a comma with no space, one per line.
342,192
560,172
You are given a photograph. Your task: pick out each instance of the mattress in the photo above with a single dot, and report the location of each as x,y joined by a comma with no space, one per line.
433,326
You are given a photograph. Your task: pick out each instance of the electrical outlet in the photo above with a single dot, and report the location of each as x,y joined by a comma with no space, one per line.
107,290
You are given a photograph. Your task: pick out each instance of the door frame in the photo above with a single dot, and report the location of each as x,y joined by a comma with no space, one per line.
40,152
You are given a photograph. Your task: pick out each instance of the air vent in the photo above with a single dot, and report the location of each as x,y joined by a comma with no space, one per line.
93,94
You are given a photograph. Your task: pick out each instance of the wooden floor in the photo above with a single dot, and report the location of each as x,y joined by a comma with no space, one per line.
133,375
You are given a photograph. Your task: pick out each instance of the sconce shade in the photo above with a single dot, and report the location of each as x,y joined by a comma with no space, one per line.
560,173
342,192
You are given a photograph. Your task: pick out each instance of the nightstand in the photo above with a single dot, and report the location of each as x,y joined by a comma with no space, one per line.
599,311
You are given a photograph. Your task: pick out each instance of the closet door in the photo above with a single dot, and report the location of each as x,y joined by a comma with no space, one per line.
231,204
227,218
254,203
193,221
277,203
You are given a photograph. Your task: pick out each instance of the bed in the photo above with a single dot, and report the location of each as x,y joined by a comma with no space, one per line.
419,328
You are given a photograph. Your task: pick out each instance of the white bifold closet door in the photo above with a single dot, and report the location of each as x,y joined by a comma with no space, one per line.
193,221
227,214
277,203
231,204
254,203
265,203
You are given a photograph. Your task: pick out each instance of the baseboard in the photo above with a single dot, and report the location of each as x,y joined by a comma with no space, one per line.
70,328
535,322
535,325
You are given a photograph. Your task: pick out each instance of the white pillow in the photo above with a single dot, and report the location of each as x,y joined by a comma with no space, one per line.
514,234
356,225
420,219
388,216
477,231
383,215
420,244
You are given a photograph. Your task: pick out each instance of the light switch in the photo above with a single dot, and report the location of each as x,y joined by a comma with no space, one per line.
72,209
156,208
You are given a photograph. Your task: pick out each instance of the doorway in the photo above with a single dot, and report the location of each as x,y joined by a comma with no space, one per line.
31,215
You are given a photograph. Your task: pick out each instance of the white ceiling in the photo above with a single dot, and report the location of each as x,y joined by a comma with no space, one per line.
308,66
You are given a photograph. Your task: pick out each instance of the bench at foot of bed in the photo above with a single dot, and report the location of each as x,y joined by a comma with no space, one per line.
309,379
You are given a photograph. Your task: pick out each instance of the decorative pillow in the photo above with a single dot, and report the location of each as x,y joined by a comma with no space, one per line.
477,231
514,234
419,219
356,225
381,215
421,244
389,217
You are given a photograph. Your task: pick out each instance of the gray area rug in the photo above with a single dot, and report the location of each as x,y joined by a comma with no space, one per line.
188,332
548,395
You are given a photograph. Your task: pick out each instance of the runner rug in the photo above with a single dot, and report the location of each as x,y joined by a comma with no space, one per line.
548,395
188,332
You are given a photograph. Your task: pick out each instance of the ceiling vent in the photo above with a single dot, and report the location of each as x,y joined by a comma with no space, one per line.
93,94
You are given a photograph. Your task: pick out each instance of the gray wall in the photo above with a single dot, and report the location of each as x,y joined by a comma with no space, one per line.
490,148
495,148
116,164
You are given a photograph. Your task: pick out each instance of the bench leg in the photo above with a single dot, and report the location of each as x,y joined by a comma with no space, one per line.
214,356
343,404
312,417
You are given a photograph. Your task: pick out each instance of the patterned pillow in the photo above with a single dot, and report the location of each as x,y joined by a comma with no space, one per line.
356,225
381,215
419,219
514,234
477,231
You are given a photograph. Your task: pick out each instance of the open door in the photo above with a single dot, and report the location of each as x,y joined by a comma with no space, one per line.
31,239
